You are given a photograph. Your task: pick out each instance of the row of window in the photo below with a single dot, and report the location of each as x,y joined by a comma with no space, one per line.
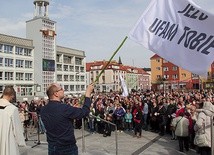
174,76
69,68
68,59
70,78
74,87
18,50
18,76
8,62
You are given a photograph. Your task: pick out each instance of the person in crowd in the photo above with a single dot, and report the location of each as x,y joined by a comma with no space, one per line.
153,118
128,119
91,119
99,113
138,118
181,125
107,126
119,114
161,117
170,112
57,116
11,128
41,126
203,126
145,115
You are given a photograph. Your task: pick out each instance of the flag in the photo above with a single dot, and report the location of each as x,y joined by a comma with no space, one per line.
123,86
178,31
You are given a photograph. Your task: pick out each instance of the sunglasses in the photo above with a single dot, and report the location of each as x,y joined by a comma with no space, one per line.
59,89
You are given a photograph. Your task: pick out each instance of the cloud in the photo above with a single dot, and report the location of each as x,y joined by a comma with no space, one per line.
7,27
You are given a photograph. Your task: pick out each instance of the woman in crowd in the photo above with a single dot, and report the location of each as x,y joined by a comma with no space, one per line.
203,126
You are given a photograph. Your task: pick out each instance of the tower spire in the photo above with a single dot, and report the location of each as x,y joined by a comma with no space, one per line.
41,8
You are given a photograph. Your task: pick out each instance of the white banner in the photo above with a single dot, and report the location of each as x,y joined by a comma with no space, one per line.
123,86
178,31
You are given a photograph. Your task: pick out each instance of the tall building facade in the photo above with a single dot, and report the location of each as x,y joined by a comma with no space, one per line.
42,31
17,64
32,64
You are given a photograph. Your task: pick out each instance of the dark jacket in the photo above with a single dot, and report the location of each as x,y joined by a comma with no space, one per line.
57,116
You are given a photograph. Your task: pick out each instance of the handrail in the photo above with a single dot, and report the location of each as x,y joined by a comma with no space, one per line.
83,135
212,134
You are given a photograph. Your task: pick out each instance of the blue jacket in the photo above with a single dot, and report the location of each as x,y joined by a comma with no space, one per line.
57,116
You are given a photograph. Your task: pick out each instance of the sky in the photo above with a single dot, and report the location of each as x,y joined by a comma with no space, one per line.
95,26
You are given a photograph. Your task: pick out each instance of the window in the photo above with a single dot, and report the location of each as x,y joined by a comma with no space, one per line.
166,76
175,76
82,87
28,76
1,75
8,49
66,87
59,77
65,67
78,61
71,77
174,68
158,60
8,75
19,63
65,77
76,69
183,75
158,68
82,78
77,77
71,68
19,76
165,69
19,51
1,47
8,62
81,69
1,61
28,64
27,52
59,67
67,60
71,87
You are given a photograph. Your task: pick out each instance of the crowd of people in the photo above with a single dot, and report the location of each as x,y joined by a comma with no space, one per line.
182,114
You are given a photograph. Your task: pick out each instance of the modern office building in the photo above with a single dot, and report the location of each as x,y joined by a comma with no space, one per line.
31,64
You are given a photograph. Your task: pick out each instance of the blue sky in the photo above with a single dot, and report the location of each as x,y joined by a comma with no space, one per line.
94,26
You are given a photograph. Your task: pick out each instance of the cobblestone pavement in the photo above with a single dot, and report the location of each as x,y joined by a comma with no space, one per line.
95,144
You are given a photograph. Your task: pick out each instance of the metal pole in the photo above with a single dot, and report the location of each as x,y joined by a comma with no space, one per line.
116,143
83,136
212,134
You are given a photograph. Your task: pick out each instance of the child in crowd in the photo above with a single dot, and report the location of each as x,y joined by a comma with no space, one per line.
128,120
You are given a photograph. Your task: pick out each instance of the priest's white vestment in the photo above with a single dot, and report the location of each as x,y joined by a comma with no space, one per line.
11,129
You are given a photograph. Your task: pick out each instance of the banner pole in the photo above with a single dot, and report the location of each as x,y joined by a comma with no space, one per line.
97,78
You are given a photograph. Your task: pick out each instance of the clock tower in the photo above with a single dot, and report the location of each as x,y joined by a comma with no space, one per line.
42,31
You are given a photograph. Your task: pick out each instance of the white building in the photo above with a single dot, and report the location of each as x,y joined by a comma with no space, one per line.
31,64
